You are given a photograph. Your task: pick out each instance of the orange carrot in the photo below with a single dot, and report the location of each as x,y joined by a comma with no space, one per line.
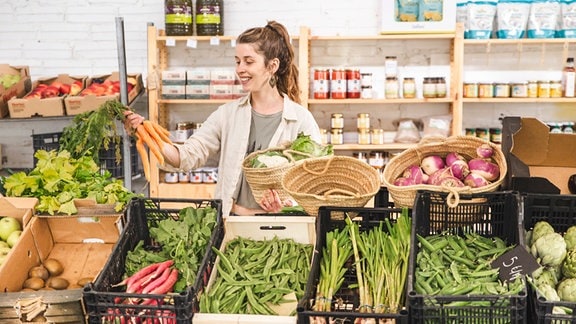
163,132
152,146
153,133
143,156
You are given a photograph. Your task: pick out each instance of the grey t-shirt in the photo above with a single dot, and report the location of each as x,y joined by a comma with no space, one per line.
262,128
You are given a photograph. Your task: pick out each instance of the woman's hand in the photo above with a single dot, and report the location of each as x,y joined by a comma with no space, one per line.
132,120
271,202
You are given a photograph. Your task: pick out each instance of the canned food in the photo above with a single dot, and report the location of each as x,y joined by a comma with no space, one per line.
337,136
338,84
485,90
196,176
519,90
337,121
183,176
321,83
363,121
353,89
470,90
502,90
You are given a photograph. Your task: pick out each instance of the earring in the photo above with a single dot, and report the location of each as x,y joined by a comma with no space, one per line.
273,80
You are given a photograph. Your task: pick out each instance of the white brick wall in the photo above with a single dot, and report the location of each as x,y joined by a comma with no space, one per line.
79,37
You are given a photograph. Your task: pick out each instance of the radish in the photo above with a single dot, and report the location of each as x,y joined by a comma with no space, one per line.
157,282
437,176
488,170
459,169
484,151
453,157
402,182
450,181
475,180
432,163
414,173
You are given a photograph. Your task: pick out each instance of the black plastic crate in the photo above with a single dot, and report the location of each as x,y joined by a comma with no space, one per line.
494,214
106,157
560,212
99,297
345,300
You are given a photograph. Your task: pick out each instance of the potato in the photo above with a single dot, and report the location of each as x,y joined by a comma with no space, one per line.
38,271
58,283
83,281
34,283
54,267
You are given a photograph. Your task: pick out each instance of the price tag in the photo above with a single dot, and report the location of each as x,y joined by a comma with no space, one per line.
514,263
215,41
233,43
192,42
170,42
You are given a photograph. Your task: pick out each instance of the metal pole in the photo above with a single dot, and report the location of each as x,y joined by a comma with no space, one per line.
124,100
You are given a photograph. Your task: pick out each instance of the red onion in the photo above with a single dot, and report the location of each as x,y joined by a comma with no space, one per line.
402,182
437,176
414,173
488,170
484,151
453,157
432,163
475,180
459,169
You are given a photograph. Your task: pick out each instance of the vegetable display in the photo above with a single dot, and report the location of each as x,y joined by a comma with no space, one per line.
58,179
556,253
255,276
453,170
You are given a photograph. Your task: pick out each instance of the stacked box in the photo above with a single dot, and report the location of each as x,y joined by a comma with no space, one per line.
198,83
106,157
222,84
100,298
560,212
494,214
173,84
16,90
345,302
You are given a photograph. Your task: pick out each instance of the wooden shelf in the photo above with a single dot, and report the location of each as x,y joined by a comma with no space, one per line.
379,101
373,147
534,41
519,100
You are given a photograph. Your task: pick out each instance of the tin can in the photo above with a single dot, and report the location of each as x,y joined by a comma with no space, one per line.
363,136
337,136
391,88
337,121
377,136
409,88
470,90
353,89
555,89
543,89
338,84
532,89
321,86
502,90
485,90
363,121
519,90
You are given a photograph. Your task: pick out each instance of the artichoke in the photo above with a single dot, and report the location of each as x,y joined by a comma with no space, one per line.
550,249
541,228
546,276
570,237
569,265
567,290
548,292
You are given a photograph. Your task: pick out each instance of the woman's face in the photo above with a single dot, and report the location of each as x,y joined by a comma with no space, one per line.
251,69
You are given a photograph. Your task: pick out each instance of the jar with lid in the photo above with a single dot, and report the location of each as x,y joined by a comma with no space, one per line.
378,160
470,90
324,138
183,131
391,88
441,89
377,136
362,156
366,92
337,121
495,135
337,136
171,177
321,84
555,89
543,89
363,136
519,90
409,88
338,84
366,79
485,90
209,17
353,89
501,90
532,89
363,121
391,66
178,17
429,88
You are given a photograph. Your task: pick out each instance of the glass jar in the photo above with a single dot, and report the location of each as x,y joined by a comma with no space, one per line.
532,89
555,89
337,121
470,90
337,136
338,84
543,89
363,121
178,17
353,89
366,92
363,136
519,90
366,79
429,88
391,66
409,88
324,138
502,90
209,17
377,136
485,90
495,135
441,89
321,83
391,89
362,156
377,160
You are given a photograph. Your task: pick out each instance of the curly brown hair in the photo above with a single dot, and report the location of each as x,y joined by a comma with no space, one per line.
273,41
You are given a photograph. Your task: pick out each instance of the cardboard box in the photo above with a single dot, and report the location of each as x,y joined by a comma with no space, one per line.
538,161
17,90
82,244
197,91
173,78
170,91
392,23
82,103
31,107
198,76
300,228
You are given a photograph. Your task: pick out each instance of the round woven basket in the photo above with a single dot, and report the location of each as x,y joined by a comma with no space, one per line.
331,181
403,196
262,179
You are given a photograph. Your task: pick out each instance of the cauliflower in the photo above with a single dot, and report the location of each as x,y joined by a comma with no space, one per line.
550,249
541,228
269,160
567,290
570,237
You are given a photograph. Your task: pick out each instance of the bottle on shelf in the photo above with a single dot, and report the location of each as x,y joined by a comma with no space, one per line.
209,17
178,17
569,78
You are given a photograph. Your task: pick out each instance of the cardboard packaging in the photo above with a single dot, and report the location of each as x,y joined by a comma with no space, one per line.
46,107
538,161
395,22
17,90
81,243
87,102
300,228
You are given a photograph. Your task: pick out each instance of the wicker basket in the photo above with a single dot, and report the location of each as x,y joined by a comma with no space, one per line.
465,145
262,179
331,181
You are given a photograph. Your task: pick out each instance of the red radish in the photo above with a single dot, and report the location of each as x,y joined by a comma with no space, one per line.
459,169
167,285
488,170
439,175
453,157
161,267
484,151
414,173
156,282
136,286
139,274
431,164
475,180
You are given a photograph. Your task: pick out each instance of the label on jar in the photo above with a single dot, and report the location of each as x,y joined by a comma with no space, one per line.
485,90
338,84
366,92
321,84
502,90
519,90
470,90
409,88
391,91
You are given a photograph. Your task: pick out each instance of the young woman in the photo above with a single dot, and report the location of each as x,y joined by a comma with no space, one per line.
268,116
